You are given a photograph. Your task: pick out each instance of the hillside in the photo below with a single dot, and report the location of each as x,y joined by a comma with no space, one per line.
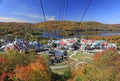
71,25
16,29
67,28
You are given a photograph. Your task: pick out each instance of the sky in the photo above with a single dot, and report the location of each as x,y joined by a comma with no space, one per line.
104,11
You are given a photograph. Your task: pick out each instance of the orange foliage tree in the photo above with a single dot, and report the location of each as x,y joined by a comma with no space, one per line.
105,67
23,67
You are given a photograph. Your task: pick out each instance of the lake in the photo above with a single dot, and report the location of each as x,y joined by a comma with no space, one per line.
86,33
95,33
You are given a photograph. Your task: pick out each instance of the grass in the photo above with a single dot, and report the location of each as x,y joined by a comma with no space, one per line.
61,64
70,52
62,74
83,57
59,71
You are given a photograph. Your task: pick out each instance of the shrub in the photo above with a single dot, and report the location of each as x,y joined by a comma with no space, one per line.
67,74
105,67
25,67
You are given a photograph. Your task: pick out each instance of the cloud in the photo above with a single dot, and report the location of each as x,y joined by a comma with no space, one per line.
10,19
35,16
21,20
25,17
28,15
50,18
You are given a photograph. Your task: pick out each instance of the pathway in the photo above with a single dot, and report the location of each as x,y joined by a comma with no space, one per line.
64,66
77,63
58,67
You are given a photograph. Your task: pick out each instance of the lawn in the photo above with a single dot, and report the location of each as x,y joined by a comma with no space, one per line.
61,63
84,57
59,71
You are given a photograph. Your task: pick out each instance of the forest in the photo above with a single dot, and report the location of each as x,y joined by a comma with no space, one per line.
65,28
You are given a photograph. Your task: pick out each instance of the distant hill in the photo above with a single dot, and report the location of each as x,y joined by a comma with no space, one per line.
14,28
14,24
66,25
71,25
